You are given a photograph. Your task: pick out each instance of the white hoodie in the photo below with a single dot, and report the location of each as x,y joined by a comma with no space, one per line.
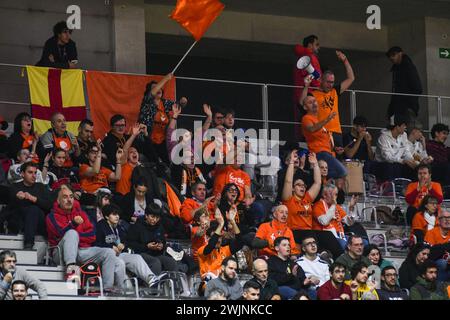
392,150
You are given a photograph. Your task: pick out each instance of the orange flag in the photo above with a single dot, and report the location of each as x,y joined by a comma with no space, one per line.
197,15
111,93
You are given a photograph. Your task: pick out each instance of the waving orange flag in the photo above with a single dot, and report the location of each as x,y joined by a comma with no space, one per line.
197,15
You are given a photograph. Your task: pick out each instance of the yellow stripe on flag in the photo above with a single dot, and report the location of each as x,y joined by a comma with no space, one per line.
72,126
38,83
41,126
72,88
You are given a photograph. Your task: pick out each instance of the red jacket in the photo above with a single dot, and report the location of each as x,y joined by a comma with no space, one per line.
299,75
59,222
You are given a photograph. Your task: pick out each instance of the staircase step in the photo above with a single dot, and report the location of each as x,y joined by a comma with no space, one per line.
41,267
15,244
56,287
49,275
27,256
19,237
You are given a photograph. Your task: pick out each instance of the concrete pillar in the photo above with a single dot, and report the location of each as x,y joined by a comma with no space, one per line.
129,36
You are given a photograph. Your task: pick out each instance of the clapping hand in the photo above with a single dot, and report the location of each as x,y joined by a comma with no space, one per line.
176,109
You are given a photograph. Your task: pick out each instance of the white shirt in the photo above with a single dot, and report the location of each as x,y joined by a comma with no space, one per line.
317,267
392,150
417,148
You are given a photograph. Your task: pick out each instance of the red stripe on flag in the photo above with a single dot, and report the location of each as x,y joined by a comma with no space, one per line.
70,113
54,90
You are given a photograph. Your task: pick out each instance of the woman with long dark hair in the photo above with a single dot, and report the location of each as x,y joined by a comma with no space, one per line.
373,253
409,270
23,135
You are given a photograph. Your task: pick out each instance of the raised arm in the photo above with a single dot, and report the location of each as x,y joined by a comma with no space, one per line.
308,80
319,125
289,178
208,112
348,71
95,169
315,188
161,84
115,176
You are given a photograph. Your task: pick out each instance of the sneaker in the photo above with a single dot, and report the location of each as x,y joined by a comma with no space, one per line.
153,279
72,273
178,256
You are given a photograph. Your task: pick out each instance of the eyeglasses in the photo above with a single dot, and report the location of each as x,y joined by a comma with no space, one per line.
232,190
445,218
93,151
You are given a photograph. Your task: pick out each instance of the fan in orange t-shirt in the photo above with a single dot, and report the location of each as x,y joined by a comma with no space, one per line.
298,200
93,176
426,219
269,231
233,174
440,235
416,191
211,255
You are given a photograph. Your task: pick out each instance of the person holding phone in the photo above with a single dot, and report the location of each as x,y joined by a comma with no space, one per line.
60,51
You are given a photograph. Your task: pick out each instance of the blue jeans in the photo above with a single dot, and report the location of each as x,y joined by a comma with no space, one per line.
335,168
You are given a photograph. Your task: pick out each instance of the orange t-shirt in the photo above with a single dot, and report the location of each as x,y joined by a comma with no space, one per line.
230,175
415,201
197,242
434,237
299,212
328,103
65,144
319,140
190,205
92,184
123,186
419,223
270,231
213,261
160,122
319,209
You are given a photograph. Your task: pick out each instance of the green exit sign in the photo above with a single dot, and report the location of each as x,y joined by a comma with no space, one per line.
444,53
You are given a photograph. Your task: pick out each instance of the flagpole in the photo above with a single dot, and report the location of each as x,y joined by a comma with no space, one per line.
185,55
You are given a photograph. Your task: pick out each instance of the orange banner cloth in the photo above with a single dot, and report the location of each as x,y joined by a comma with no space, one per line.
111,94
197,15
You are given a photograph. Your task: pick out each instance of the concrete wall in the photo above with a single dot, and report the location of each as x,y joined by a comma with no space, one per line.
129,36
25,25
273,29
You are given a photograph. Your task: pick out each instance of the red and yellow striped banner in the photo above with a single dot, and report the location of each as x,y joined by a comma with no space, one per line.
56,90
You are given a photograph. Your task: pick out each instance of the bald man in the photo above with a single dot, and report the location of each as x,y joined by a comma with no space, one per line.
269,288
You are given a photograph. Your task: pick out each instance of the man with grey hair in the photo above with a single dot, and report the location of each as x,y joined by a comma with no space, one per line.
58,137
73,235
328,221
269,288
9,273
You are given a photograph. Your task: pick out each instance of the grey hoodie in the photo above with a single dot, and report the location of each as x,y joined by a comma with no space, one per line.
21,274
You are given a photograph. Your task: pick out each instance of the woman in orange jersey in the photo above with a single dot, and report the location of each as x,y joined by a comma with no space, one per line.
298,200
425,219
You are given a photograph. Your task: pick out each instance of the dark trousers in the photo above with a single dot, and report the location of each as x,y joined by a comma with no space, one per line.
32,220
160,263
385,171
327,241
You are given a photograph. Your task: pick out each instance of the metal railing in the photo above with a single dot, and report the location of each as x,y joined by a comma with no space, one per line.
266,105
